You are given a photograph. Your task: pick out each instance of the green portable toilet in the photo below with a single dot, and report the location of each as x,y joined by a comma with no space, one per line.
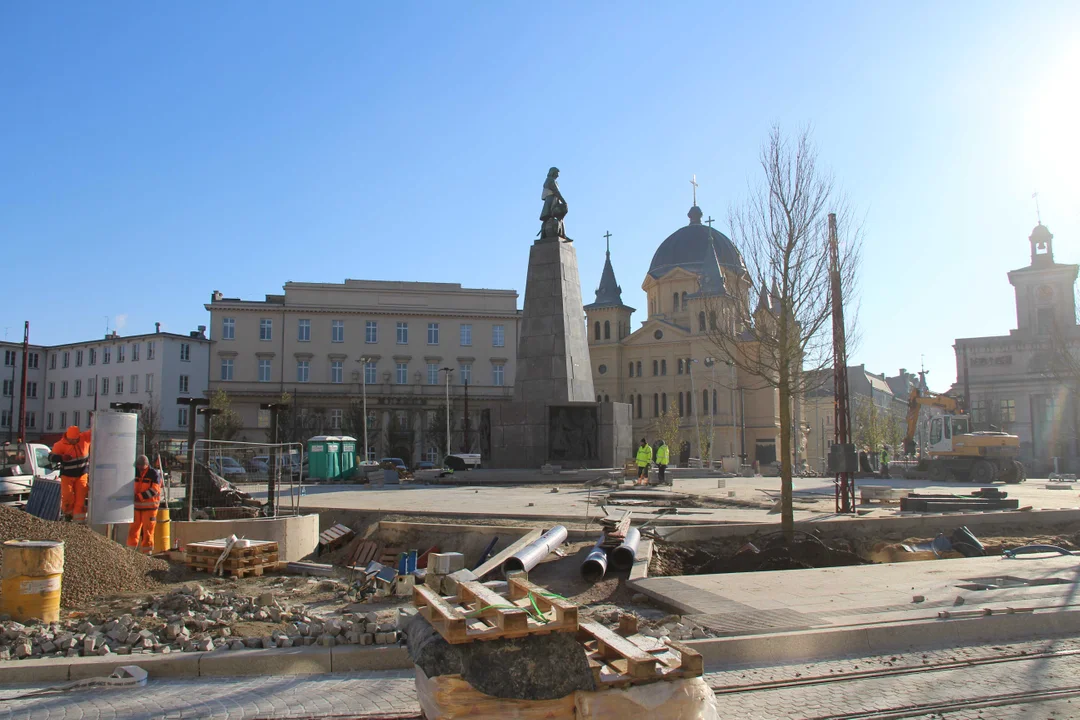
323,460
347,456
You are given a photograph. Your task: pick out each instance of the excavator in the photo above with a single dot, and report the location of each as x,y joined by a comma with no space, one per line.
957,453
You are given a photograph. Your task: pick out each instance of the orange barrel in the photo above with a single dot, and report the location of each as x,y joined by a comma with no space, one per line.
30,579
163,531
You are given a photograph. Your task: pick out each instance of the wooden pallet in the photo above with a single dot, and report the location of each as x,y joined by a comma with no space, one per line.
252,571
334,537
241,562
479,613
618,661
214,548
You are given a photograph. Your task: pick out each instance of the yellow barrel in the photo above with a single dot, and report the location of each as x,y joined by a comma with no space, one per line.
163,531
30,579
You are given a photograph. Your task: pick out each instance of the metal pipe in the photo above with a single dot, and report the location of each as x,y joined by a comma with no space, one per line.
595,565
622,557
528,557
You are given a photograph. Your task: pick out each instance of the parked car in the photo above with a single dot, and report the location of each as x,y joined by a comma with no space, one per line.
227,467
396,462
289,463
255,465
425,465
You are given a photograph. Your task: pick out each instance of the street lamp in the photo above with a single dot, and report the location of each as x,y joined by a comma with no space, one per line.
363,384
193,404
693,399
447,370
710,362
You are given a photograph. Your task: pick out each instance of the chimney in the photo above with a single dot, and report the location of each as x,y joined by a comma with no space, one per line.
216,296
157,327
202,331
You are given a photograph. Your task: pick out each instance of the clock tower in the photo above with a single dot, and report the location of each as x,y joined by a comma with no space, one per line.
1045,296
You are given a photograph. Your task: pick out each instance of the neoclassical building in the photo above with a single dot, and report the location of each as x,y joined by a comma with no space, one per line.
670,361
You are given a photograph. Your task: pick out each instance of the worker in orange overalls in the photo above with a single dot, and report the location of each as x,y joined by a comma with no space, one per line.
72,452
147,499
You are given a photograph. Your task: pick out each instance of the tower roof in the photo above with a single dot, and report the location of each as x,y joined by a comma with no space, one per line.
700,249
609,294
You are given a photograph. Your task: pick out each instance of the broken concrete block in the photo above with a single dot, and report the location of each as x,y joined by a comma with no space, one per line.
434,581
445,563
450,583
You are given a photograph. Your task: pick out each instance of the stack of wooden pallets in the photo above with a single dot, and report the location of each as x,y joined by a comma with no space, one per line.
614,530
253,560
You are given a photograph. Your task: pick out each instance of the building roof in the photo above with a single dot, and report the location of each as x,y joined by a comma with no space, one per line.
701,249
609,294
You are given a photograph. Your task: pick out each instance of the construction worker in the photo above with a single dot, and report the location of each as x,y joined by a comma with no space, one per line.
885,461
147,500
72,453
644,457
663,455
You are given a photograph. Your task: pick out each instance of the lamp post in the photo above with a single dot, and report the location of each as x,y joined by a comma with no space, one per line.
693,399
275,457
363,385
447,370
710,362
193,405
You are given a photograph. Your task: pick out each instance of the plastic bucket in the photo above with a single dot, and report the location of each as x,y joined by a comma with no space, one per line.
163,531
30,580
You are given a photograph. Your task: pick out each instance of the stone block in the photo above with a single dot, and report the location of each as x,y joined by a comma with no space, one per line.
352,658
284,661
446,563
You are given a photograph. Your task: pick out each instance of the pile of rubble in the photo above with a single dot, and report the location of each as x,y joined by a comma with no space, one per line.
191,619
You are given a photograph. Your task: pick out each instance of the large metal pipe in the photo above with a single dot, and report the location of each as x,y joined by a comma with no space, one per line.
528,557
622,557
595,565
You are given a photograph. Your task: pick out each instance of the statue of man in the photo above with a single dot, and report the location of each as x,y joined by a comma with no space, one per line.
555,208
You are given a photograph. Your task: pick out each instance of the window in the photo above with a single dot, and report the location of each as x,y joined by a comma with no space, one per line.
106,355
371,332
303,330
120,353
67,360
337,371
465,373
655,404
226,369
705,401
48,421
689,404
92,359
52,390
433,333
498,375
655,367
403,333
401,371
978,411
596,330
9,358
78,388
264,370
31,419
9,388
63,419
52,361
631,373
498,334
663,367
150,382
701,321
639,406
1044,318
183,384
228,328
335,418
432,454
266,329
935,431
370,373
91,386
5,418
433,374
684,301
1008,411
63,389
663,402
607,329
75,418
303,370
134,352
150,349
712,320
337,331
31,389
119,384
185,352
78,358
637,368
182,416
682,405
32,361
104,385
134,384
466,335
675,302
630,400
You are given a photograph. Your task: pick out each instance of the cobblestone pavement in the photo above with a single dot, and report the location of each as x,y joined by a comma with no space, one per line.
958,684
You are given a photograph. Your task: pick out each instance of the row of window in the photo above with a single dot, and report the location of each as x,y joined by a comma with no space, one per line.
91,386
659,367
371,372
31,419
11,358
981,409
660,403
91,355
9,388
371,332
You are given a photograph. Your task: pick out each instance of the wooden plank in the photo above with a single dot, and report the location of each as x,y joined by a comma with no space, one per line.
511,622
496,560
690,661
444,617
612,648
628,624
566,612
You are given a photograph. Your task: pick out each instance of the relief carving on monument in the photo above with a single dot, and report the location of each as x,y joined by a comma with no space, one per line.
573,434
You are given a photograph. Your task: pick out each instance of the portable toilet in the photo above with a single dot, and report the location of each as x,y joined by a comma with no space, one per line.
347,457
323,460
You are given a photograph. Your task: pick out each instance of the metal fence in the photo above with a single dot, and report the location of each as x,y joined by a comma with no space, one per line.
226,479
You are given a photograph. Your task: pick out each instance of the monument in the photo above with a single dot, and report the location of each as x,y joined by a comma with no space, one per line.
555,417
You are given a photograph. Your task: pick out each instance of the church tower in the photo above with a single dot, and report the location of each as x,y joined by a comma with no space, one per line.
1045,296
608,318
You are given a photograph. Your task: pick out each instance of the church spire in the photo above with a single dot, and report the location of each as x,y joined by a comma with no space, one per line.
609,294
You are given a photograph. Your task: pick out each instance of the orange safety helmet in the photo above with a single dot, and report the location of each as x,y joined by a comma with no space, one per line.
73,433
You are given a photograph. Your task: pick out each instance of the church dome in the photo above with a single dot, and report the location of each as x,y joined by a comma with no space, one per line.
696,248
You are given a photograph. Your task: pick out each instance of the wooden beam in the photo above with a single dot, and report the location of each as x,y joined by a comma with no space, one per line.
496,560
510,620
612,647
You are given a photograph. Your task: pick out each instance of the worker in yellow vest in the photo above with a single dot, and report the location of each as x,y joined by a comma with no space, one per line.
663,455
644,458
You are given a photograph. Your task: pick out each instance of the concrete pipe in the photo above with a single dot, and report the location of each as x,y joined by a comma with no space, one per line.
622,557
528,557
595,565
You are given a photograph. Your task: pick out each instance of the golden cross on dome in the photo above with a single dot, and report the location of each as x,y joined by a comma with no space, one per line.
693,181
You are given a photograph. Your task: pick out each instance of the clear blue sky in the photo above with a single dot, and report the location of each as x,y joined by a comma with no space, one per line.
153,152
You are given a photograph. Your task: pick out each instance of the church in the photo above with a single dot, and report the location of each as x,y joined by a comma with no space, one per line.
670,363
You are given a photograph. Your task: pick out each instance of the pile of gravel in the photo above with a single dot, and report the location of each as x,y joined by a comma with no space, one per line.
93,564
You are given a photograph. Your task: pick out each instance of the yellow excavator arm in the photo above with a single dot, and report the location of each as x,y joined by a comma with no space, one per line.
916,401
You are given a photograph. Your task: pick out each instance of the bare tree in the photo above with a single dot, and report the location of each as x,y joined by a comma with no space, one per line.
149,426
784,339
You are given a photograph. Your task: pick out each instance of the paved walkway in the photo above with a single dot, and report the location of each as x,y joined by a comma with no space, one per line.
1033,680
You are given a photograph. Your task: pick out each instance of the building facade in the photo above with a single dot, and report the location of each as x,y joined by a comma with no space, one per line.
65,383
669,362
402,345
1025,382
11,402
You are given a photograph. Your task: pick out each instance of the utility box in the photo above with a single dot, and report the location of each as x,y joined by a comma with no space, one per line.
843,459
323,460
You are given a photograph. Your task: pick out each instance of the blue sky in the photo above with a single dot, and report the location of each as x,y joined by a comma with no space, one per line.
151,153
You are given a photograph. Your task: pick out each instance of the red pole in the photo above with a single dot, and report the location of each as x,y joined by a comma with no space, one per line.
22,390
845,481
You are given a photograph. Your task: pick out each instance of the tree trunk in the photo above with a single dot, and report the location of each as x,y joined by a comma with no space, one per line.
787,515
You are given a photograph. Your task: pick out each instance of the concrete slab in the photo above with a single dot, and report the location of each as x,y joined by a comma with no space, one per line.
157,665
285,661
42,670
350,658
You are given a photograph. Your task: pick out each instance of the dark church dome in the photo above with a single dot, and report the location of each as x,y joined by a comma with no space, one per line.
696,248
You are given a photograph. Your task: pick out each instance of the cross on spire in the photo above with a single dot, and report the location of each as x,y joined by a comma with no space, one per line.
710,221
693,181
607,237
1038,213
